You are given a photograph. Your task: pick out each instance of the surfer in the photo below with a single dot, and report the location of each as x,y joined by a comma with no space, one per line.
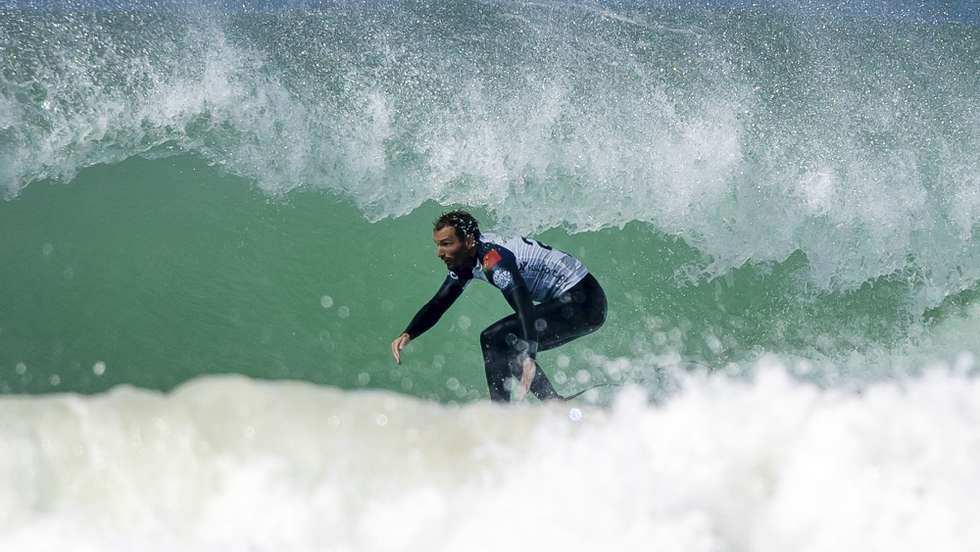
570,302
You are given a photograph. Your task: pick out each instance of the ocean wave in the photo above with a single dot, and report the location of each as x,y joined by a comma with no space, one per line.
753,139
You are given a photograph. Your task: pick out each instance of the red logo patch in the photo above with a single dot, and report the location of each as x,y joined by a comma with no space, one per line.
491,259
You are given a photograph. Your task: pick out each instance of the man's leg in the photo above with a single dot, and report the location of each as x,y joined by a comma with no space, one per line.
501,361
541,387
579,312
496,359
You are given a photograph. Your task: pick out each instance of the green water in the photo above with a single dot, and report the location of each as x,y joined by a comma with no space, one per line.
165,269
206,190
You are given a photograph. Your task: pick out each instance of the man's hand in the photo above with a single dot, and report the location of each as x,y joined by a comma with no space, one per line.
529,367
397,345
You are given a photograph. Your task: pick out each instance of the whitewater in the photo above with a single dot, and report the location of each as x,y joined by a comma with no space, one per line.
226,463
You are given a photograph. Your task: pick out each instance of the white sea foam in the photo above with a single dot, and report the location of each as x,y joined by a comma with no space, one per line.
229,463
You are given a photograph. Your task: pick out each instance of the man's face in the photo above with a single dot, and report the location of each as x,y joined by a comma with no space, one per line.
450,249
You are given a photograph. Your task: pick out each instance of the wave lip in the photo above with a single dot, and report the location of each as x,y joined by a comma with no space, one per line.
547,116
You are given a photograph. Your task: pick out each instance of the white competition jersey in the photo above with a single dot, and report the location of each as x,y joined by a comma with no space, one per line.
547,272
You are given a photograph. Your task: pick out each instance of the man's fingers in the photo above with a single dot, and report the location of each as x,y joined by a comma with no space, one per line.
526,381
527,376
396,347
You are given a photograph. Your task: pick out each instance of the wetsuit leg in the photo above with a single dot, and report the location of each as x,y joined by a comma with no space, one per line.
577,312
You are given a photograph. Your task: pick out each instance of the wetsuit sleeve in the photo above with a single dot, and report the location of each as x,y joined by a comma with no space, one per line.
430,312
507,278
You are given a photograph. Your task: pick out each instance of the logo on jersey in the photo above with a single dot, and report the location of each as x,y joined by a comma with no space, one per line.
491,259
502,279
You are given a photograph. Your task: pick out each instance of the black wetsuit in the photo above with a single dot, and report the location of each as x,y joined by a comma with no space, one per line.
572,304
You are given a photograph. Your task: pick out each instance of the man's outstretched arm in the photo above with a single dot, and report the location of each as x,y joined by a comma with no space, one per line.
428,315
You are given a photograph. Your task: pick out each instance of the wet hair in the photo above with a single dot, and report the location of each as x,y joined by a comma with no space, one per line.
461,221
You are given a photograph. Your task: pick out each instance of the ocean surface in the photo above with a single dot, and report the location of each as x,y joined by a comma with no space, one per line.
216,216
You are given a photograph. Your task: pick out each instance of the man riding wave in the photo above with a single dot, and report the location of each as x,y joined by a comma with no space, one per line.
554,297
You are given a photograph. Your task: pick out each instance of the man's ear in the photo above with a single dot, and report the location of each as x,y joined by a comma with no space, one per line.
470,242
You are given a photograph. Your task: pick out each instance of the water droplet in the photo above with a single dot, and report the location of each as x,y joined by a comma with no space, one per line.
98,368
563,361
465,322
714,344
47,250
343,312
452,384
326,301
575,415
583,376
407,384
55,380
363,378
21,368
381,420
